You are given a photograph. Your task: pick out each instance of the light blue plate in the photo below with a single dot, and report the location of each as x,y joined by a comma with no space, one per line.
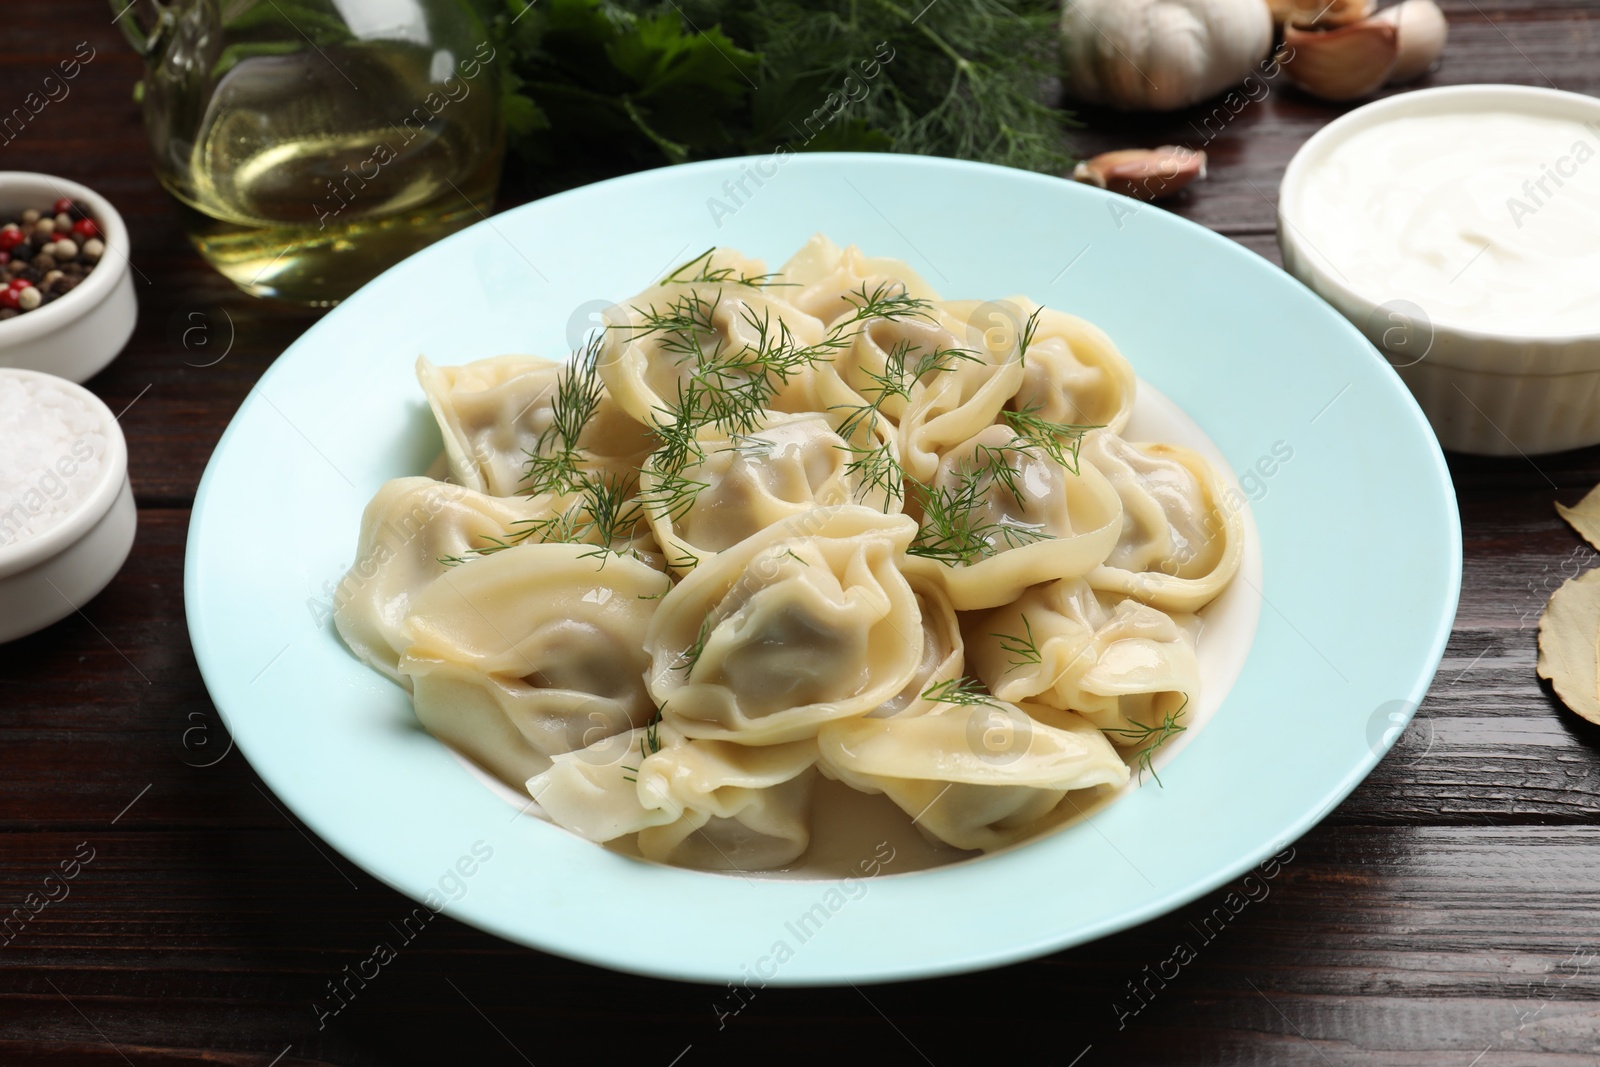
1360,540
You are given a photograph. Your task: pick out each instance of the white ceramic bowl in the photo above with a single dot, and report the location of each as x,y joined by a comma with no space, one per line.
1486,393
76,336
46,577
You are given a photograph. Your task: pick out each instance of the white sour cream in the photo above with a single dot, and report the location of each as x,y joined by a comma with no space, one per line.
1487,221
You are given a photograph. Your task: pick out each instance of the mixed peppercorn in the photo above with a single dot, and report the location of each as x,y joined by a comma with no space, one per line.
44,256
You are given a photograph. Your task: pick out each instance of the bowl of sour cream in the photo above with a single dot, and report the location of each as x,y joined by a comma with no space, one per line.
1459,229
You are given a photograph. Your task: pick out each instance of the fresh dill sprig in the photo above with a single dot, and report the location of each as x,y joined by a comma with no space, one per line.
1060,441
603,511
886,300
731,386
553,464
750,446
1152,738
672,493
994,468
649,744
683,562
703,272
876,469
950,535
965,79
1030,329
691,655
953,531
611,509
963,692
899,375
1021,650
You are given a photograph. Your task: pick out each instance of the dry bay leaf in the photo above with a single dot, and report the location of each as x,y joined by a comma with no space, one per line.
1585,516
1569,631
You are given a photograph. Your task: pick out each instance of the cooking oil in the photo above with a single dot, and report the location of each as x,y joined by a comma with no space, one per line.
311,172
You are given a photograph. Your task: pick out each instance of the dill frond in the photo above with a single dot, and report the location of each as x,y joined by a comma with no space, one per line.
691,655
953,530
1022,651
553,464
699,269
1152,738
1060,441
962,692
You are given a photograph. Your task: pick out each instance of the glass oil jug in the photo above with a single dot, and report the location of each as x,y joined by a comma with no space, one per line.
310,144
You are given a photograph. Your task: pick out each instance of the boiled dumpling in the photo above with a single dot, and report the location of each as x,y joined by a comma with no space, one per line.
1123,665
976,777
684,348
496,413
1181,539
1073,375
714,805
950,406
741,484
828,282
943,655
410,530
808,620
1002,515
531,652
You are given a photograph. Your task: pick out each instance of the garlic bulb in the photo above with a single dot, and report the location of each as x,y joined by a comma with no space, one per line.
1159,55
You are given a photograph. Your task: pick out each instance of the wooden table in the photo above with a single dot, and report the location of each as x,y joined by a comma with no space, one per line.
1447,913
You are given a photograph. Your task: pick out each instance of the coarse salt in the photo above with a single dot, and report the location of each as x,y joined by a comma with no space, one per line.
52,445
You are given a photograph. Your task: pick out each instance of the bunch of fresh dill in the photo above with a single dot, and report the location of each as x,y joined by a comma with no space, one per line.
967,78
603,87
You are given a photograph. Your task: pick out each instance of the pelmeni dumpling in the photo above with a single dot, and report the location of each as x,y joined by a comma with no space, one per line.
531,652
1181,539
976,777
808,620
943,655
1002,515
785,466
828,282
950,406
494,412
1120,664
662,342
714,805
408,531
1073,375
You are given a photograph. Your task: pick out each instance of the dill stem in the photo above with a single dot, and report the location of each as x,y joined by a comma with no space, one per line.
963,64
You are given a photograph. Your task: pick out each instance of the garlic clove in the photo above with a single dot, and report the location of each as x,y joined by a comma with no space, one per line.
1143,173
1341,64
1320,13
1422,29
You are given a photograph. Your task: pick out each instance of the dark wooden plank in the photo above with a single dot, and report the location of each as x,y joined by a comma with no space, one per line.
1379,945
